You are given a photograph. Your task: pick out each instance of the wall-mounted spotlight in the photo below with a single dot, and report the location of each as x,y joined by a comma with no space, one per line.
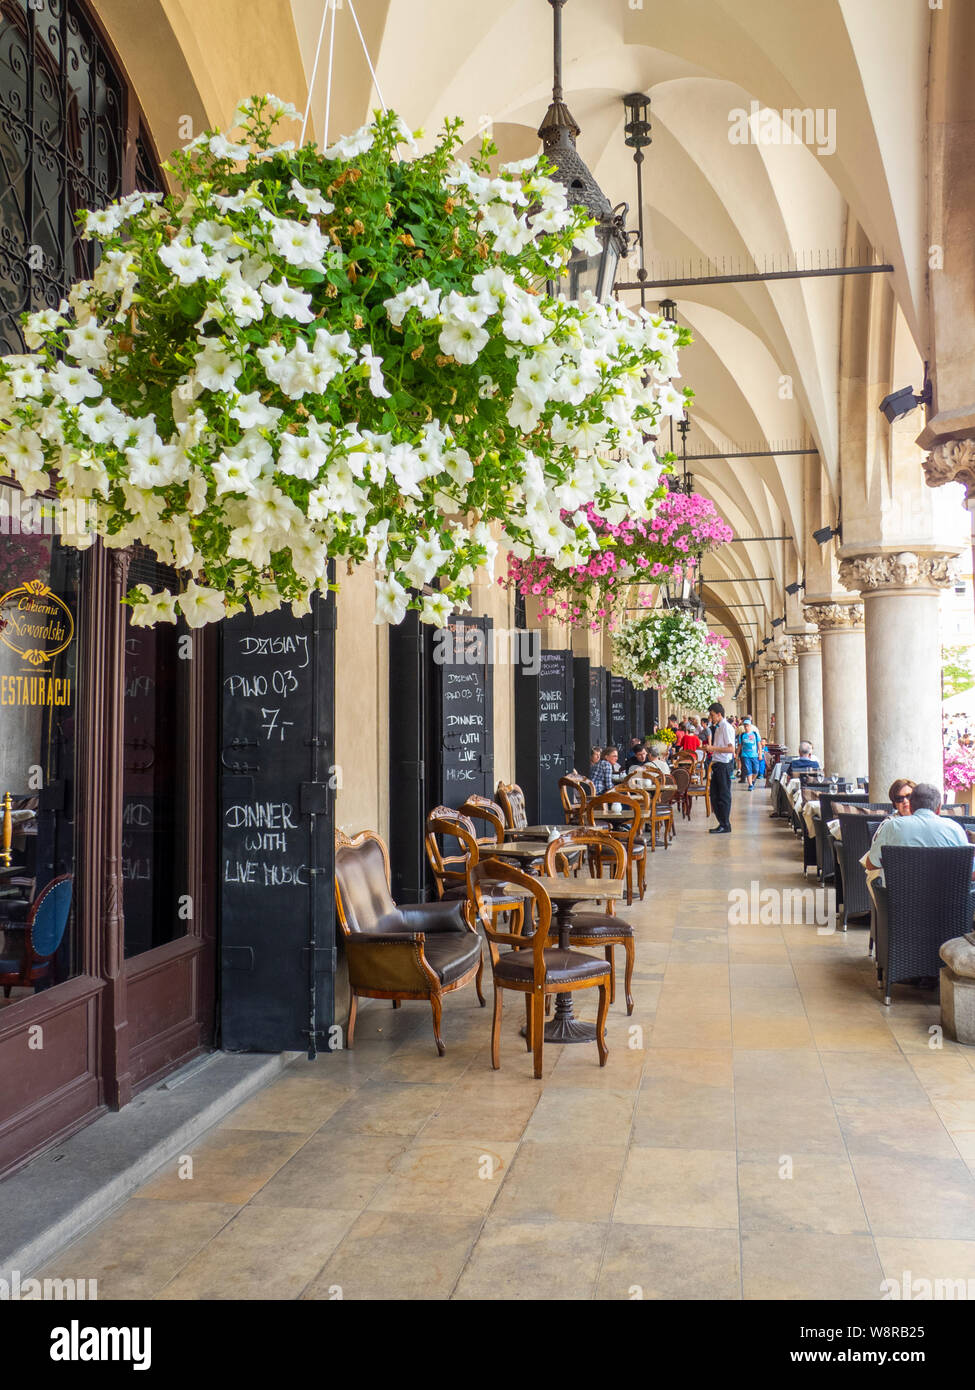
795,588
825,534
902,402
777,622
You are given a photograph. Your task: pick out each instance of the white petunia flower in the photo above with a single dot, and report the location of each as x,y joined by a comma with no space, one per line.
155,608
250,412
200,605
351,145
462,341
188,263
311,199
436,610
392,601
377,384
73,384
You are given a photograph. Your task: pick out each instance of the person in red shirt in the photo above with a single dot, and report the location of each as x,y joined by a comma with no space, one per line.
690,743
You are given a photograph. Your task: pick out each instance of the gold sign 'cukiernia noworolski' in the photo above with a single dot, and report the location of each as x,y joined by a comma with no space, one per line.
36,624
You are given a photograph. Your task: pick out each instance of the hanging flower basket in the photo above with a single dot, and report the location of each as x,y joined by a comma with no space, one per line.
341,355
671,651
668,540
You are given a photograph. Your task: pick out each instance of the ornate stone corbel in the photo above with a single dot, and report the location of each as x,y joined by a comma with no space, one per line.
830,617
951,462
902,569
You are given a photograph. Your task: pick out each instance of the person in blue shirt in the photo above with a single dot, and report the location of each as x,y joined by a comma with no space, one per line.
750,748
924,827
805,761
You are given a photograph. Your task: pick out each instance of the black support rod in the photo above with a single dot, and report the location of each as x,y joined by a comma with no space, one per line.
753,278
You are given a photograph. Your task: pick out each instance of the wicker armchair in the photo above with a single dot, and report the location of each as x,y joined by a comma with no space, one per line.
856,832
927,898
825,860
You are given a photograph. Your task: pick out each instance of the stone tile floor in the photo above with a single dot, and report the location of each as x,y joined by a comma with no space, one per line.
764,1128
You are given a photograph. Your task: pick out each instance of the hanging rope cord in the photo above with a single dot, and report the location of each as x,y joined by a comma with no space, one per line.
330,6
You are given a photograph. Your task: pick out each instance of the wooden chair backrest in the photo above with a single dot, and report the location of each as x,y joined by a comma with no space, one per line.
492,872
483,808
512,800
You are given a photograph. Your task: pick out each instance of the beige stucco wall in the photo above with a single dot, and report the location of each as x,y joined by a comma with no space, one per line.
361,708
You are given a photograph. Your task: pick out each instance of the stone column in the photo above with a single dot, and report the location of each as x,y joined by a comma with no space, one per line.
768,678
903,661
810,690
760,712
778,680
790,690
844,749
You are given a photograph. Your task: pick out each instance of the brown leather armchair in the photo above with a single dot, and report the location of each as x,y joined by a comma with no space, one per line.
416,951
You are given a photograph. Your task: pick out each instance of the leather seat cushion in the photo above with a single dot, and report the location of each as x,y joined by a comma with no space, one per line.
452,954
562,967
598,924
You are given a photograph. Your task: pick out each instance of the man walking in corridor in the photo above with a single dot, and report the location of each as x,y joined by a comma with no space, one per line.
722,761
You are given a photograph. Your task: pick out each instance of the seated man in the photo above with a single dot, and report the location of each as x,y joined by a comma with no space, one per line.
805,761
924,827
607,772
638,756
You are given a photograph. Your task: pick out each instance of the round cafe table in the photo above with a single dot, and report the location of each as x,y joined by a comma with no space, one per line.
566,894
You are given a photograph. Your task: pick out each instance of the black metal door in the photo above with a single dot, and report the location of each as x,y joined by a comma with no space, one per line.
616,719
580,712
597,706
556,746
465,709
277,846
411,791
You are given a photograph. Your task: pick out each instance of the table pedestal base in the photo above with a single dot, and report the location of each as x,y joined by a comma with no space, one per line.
564,1027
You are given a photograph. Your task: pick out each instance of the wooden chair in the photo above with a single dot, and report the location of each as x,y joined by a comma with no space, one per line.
661,813
700,785
572,791
598,928
418,951
483,808
631,837
531,967
512,802
43,931
449,870
445,823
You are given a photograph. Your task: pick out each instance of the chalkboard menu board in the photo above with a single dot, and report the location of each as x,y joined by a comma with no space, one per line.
618,715
556,751
597,706
466,706
277,827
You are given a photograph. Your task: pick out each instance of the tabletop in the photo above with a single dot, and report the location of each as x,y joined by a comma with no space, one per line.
516,849
582,890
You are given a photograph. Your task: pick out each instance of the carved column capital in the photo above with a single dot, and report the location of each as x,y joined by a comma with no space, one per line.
806,642
833,617
951,462
785,652
903,569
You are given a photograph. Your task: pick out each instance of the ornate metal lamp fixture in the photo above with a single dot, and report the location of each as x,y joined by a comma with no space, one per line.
558,133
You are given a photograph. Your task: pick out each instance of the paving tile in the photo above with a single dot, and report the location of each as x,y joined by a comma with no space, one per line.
397,1255
804,1192
678,1187
667,1262
135,1252
680,1114
917,1195
454,1177
244,1261
545,1183
521,1260
338,1172
802,1265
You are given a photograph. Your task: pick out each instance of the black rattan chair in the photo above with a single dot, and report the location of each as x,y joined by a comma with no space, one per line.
825,860
856,833
927,898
